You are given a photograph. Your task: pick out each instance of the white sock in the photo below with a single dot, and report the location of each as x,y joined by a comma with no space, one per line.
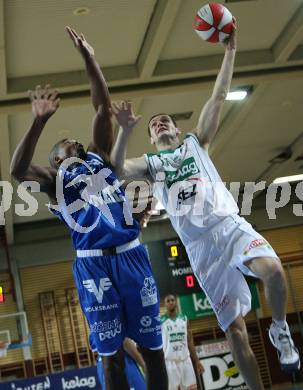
281,324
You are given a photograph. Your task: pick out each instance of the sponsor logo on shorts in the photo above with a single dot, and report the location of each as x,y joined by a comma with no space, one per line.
103,326
256,244
109,329
154,329
148,292
90,309
221,305
146,321
104,285
187,169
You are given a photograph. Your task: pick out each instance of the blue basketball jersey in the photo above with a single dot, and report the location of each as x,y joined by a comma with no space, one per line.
93,205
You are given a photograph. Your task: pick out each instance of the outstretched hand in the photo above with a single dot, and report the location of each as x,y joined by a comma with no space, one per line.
45,102
125,116
231,42
199,367
80,43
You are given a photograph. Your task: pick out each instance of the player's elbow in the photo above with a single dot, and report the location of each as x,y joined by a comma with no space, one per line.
18,176
119,169
16,172
104,111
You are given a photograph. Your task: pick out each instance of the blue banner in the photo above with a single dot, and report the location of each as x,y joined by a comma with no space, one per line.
84,378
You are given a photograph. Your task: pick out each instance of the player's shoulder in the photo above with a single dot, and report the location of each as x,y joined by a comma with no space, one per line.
93,163
75,173
164,318
152,154
192,137
159,157
182,317
94,157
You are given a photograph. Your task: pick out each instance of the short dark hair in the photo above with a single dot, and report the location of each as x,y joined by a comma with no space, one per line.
170,295
54,153
173,120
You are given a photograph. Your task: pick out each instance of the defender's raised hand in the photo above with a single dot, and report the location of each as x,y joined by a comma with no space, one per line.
45,102
80,43
125,116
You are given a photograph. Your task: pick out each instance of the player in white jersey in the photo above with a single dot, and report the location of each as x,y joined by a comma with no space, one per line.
179,349
220,244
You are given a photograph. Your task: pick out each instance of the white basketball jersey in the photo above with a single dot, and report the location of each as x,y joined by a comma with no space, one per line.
174,335
190,188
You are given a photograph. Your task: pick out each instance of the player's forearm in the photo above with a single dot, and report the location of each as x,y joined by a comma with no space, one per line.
193,353
191,347
24,152
138,358
99,90
223,81
131,348
118,154
210,116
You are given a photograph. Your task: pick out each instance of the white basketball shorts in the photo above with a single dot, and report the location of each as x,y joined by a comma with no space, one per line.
218,261
180,373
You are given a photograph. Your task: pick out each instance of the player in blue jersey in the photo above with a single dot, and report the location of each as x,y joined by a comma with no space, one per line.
117,291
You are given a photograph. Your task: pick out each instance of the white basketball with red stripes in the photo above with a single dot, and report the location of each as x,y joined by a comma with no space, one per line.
214,23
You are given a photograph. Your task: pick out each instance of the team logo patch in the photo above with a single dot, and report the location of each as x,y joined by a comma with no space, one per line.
146,321
104,285
149,292
221,305
256,244
187,169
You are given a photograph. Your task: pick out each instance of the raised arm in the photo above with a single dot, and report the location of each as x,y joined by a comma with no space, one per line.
102,128
45,103
210,115
135,168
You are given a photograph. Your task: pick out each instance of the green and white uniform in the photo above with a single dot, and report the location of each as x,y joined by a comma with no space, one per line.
177,358
205,216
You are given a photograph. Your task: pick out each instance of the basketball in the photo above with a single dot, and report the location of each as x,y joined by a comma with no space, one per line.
214,23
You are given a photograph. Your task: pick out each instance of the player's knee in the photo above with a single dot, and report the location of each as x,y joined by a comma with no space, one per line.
237,334
275,273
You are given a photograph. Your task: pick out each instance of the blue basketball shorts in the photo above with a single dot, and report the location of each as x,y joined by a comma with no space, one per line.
119,298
